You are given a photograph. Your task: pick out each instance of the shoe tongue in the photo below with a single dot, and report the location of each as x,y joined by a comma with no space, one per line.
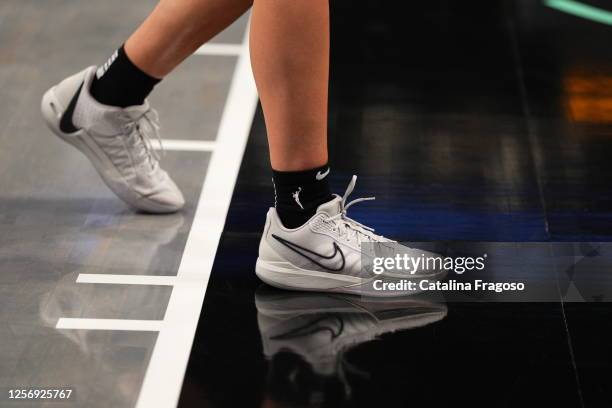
332,207
137,111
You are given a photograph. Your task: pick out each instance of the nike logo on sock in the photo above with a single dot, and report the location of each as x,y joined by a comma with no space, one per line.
324,261
320,176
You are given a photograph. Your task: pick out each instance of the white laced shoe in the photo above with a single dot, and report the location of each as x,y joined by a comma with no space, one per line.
117,141
332,253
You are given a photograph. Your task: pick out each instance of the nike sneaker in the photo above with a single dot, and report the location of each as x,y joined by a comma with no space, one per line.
334,253
117,141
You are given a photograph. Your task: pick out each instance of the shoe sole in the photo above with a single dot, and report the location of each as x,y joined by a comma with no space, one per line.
284,275
52,111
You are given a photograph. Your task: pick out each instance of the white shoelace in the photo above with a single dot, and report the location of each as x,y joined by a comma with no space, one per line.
347,226
140,132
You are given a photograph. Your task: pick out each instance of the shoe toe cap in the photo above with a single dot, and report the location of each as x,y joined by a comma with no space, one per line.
166,200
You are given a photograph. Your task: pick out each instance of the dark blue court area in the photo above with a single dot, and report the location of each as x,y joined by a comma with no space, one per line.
469,121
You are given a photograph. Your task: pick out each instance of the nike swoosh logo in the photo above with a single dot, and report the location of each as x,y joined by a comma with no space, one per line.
320,176
311,255
314,327
66,124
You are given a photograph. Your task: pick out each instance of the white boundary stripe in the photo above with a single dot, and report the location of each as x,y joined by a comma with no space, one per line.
220,49
164,377
187,145
108,324
126,279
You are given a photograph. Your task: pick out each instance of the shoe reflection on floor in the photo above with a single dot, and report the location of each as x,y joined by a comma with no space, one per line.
306,336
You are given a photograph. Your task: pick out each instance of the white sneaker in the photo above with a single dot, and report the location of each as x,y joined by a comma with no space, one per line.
333,253
117,141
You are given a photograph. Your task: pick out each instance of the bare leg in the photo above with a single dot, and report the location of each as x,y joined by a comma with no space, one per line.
290,58
176,28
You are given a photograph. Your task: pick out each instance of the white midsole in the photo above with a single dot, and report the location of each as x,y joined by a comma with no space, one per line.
291,277
284,275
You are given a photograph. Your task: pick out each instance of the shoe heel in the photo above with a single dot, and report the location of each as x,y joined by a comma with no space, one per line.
51,110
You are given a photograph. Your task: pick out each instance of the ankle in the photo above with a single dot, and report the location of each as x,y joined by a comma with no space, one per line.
118,82
298,194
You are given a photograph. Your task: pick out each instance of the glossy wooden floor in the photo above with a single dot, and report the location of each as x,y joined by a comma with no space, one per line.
483,120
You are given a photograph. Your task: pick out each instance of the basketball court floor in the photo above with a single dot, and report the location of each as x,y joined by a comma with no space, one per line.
486,121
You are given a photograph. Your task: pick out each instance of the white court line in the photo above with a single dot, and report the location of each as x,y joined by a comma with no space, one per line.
220,49
164,377
108,324
187,145
126,279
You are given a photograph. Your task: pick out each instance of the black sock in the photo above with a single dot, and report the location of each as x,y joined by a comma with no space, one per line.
121,83
299,194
